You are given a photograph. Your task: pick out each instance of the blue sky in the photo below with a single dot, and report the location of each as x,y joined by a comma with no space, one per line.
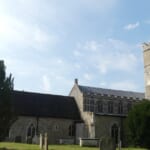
47,43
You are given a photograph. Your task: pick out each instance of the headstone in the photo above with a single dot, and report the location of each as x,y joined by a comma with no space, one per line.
45,142
35,139
107,143
29,140
41,142
119,145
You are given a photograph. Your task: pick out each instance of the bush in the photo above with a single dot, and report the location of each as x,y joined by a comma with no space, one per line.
138,122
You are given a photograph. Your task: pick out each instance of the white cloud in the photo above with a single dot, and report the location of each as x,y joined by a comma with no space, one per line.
46,83
16,32
77,66
87,76
111,55
60,61
77,53
132,26
91,45
103,67
103,84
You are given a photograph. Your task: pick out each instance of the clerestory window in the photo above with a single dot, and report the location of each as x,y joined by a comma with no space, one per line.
110,107
120,108
100,106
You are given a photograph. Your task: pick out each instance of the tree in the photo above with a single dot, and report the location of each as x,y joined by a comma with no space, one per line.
138,122
6,88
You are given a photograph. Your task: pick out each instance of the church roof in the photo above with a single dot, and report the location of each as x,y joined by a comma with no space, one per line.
45,105
109,92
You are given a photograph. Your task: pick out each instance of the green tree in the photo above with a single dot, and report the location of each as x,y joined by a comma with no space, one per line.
138,122
6,88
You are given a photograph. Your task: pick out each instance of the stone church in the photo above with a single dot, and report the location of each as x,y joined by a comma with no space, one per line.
88,112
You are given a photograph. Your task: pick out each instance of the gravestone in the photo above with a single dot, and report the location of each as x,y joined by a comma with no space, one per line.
107,143
45,142
41,142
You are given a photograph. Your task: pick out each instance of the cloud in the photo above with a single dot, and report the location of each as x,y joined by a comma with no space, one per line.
17,32
87,76
91,45
36,39
76,53
110,55
132,26
46,84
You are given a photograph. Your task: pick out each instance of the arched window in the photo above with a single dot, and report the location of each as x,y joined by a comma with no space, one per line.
31,131
120,108
72,130
114,132
110,107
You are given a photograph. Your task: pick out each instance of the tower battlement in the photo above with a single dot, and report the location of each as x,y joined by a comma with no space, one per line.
146,46
146,54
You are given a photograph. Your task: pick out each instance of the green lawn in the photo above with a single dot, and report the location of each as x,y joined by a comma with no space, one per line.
16,146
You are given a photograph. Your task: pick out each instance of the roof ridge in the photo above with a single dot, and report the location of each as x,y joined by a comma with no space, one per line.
37,93
109,89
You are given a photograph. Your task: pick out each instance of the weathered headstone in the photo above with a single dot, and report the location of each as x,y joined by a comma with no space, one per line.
107,143
119,145
41,142
45,142
35,139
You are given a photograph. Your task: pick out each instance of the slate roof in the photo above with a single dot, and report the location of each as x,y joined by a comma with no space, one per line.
45,105
93,90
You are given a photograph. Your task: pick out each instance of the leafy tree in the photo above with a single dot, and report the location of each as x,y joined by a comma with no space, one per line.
138,122
6,87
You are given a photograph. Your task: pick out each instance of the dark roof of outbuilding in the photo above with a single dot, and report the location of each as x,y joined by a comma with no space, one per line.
45,105
93,90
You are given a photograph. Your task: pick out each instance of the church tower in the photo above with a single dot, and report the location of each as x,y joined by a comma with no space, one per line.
146,53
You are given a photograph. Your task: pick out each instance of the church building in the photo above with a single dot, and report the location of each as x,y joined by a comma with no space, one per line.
88,112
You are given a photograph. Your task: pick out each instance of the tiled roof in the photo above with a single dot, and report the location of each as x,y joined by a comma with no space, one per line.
110,92
45,105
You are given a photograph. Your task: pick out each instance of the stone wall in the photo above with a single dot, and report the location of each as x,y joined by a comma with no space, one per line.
55,128
87,117
103,125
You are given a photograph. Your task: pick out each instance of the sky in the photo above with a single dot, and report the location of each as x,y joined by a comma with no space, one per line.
46,44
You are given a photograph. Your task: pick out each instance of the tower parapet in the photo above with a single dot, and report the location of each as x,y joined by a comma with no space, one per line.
146,54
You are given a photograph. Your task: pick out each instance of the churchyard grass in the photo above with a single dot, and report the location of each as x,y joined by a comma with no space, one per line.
17,146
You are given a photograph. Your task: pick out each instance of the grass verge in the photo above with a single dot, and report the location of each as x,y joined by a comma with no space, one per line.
18,146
